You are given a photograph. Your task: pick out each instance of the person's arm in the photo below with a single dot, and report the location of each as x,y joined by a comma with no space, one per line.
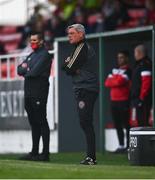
22,68
146,83
42,63
78,59
108,81
116,80
120,80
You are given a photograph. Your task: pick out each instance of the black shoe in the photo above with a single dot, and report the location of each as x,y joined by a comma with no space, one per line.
29,157
88,161
120,151
42,157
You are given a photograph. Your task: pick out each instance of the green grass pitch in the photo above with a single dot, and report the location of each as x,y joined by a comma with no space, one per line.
66,165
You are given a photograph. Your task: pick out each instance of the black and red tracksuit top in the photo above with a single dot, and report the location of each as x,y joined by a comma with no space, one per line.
142,80
119,82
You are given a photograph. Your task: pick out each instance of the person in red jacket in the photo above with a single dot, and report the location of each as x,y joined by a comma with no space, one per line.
119,82
141,90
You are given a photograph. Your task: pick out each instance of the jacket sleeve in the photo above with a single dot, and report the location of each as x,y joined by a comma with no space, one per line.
43,62
77,60
116,80
146,83
108,81
21,71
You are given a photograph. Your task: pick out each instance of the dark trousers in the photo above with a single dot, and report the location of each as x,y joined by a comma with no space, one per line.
85,105
36,110
121,115
143,113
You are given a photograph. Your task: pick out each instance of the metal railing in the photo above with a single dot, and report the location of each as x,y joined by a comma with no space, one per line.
8,66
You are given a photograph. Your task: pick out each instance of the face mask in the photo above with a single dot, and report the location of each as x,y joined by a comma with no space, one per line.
34,46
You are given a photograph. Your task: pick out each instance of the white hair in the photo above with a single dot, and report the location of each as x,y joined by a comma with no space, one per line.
78,27
142,49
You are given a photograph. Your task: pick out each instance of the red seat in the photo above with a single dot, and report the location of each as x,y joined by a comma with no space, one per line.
10,37
136,13
8,29
132,23
11,46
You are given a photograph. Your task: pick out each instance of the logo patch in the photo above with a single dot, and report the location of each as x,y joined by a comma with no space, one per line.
81,104
38,102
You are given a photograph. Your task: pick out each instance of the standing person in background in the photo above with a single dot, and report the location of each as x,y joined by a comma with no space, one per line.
81,67
36,71
141,91
119,82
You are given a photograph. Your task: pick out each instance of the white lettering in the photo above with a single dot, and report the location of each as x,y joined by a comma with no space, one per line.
133,142
12,104
3,104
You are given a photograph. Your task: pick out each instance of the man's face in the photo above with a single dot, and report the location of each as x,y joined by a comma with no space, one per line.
74,36
121,59
138,54
34,39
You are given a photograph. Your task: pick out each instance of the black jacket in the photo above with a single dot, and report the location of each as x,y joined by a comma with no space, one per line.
37,73
142,81
82,66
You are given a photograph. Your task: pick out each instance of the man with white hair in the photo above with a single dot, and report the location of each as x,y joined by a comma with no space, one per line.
81,66
141,91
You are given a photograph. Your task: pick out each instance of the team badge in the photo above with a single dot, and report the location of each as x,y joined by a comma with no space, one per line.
81,104
38,102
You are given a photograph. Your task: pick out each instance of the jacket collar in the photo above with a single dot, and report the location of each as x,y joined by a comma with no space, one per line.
82,41
141,60
124,66
40,48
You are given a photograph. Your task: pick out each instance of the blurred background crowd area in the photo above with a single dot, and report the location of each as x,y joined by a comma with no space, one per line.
97,16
